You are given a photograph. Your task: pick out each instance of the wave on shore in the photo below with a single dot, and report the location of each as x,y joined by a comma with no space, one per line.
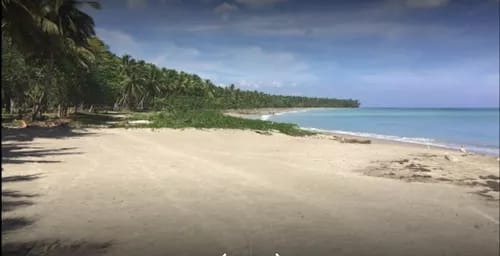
267,116
414,140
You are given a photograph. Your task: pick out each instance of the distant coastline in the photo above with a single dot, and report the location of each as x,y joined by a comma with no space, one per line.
259,113
419,141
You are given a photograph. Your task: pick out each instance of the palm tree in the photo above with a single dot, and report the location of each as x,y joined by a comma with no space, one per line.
131,83
153,84
73,23
21,20
50,31
32,24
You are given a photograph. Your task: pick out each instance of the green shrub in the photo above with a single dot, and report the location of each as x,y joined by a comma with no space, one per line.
215,119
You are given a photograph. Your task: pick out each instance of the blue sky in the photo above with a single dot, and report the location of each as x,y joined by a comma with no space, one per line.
400,53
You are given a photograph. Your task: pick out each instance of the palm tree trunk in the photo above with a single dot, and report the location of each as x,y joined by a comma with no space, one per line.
37,107
12,106
115,106
59,110
8,99
65,110
141,103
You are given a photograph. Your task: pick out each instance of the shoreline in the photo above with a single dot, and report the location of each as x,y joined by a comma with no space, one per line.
394,141
253,112
266,113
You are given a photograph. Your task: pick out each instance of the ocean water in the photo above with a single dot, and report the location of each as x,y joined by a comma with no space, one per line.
475,129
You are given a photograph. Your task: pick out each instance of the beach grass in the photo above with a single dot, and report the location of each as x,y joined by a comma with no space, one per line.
181,118
216,119
83,119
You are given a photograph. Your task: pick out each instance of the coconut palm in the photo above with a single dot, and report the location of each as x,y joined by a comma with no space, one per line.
153,85
51,31
39,27
131,83
22,21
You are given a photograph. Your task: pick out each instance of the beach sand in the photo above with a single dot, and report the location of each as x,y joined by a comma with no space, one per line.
209,192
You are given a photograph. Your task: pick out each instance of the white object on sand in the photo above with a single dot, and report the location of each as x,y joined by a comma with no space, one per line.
139,122
462,149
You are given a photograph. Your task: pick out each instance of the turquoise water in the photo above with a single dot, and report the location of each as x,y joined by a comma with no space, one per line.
476,129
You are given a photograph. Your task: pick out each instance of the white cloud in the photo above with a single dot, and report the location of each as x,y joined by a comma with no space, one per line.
426,3
383,21
479,73
120,42
249,67
259,3
137,4
319,26
225,9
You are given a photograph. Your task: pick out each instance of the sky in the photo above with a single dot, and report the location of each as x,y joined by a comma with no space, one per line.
385,53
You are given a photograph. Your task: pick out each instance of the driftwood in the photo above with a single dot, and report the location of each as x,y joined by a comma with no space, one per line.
263,132
358,141
343,139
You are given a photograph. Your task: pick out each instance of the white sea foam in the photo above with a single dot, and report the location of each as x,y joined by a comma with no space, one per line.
267,116
413,140
292,111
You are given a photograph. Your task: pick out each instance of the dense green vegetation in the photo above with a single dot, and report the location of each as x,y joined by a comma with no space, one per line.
52,60
180,119
215,119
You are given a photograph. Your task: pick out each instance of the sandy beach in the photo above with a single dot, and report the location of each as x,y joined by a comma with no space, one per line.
209,192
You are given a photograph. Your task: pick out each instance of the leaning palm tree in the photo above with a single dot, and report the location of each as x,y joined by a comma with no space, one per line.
75,28
50,31
23,22
38,27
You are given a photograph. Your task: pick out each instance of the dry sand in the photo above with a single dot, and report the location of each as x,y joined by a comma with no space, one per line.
206,192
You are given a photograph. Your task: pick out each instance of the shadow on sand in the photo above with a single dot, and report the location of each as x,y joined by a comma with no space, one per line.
19,153
55,248
12,200
30,133
17,149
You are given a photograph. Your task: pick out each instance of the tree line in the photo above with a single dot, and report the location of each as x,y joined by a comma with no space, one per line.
52,60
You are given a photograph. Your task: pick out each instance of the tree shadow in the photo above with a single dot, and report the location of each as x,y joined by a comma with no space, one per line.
55,247
30,133
10,205
17,178
13,199
16,194
18,149
14,223
18,153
